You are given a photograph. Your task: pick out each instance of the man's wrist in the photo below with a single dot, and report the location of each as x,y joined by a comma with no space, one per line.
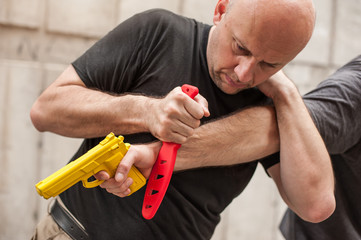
130,114
286,94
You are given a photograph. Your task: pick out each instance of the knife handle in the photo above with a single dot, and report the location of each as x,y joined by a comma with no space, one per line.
190,90
162,170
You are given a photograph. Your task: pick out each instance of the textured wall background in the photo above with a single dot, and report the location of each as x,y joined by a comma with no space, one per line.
39,38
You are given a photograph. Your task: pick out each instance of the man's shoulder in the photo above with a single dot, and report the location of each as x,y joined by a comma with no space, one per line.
158,15
156,22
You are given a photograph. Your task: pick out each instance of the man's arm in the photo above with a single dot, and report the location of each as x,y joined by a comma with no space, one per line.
248,135
304,177
67,107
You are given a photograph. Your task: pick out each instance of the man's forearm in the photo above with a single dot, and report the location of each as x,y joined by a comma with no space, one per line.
68,108
305,171
242,137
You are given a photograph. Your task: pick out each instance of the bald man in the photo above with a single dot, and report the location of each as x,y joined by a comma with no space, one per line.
127,83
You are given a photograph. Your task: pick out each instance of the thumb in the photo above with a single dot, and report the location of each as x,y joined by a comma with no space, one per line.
125,165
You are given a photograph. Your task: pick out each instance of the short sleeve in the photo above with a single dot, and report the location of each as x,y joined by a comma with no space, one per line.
270,161
335,106
115,62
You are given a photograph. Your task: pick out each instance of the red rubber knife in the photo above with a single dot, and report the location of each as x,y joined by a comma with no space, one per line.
162,170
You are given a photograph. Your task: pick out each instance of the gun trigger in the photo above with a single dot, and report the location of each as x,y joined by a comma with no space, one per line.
92,184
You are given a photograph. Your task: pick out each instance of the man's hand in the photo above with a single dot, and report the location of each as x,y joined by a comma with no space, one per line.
277,85
174,117
142,156
171,119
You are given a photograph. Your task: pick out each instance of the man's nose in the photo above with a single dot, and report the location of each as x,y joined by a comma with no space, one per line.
245,69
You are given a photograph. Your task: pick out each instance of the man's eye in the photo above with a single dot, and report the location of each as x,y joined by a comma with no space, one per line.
239,50
270,65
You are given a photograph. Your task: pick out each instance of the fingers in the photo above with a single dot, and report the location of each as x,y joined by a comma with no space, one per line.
119,189
142,156
174,117
190,115
183,115
119,185
204,103
102,175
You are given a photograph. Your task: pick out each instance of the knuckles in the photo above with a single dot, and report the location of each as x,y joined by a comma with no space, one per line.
124,169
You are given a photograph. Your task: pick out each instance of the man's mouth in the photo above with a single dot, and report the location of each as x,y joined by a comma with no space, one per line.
234,84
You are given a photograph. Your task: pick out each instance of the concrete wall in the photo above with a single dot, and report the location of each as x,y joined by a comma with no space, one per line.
39,38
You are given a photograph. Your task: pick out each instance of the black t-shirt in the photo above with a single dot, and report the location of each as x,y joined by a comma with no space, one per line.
335,106
152,53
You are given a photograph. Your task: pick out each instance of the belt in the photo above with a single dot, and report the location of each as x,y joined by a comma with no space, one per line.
67,222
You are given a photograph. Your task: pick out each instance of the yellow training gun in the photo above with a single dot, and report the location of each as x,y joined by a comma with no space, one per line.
105,156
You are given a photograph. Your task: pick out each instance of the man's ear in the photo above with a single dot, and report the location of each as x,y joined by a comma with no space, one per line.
219,11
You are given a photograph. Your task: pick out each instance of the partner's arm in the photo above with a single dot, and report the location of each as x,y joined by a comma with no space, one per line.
304,176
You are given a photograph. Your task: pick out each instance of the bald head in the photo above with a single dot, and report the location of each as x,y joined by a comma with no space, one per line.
286,24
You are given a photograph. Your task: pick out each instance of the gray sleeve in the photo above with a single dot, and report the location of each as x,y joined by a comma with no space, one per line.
335,106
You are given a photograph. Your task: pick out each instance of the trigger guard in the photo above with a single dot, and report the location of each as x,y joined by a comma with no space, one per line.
92,184
96,182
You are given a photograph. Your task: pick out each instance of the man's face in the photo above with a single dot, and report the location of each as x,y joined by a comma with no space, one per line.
244,50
